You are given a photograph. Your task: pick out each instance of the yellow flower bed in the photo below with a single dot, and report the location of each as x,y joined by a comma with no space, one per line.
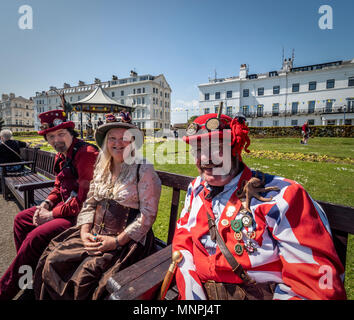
275,155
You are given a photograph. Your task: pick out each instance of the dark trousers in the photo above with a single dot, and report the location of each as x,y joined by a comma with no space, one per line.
30,242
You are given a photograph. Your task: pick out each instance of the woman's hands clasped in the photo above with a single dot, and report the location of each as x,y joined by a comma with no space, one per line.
98,244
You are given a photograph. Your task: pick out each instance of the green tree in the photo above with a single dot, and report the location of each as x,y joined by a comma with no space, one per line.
191,119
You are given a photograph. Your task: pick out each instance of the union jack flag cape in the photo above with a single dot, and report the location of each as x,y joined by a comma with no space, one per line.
293,242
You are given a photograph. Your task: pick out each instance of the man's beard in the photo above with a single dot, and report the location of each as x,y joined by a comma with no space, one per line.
60,147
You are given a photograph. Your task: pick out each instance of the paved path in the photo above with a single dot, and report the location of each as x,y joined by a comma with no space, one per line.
8,210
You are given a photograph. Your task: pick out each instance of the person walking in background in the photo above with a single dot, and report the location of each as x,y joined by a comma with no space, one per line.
305,131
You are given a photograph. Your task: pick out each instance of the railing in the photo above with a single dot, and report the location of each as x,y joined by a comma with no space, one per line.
316,111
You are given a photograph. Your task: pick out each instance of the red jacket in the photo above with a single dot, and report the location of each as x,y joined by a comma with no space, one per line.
66,182
305,128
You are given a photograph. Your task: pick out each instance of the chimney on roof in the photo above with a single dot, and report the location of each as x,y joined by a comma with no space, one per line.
4,97
12,95
287,65
66,85
133,73
114,77
243,71
97,80
81,83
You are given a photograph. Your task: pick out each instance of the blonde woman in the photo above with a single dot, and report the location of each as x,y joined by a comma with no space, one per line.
114,226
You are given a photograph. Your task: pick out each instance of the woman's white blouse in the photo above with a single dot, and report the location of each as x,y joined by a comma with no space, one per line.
125,191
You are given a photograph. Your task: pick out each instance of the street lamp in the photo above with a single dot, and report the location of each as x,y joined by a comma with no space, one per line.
344,109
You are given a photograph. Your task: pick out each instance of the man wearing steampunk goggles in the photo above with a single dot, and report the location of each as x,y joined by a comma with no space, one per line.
245,235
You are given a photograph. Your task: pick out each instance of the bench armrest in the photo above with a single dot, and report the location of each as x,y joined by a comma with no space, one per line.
35,185
16,163
141,280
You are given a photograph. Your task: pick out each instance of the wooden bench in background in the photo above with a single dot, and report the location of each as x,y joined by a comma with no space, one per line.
33,185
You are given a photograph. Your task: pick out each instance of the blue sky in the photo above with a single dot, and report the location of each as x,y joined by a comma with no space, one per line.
75,40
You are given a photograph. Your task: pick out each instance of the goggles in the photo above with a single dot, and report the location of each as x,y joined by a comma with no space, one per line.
212,124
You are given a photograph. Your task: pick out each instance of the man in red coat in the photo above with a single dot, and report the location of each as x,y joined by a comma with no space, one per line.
35,227
243,237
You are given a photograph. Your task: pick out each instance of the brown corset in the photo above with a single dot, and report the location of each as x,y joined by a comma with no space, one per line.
111,218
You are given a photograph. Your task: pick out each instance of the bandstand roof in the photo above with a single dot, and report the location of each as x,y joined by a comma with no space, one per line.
98,101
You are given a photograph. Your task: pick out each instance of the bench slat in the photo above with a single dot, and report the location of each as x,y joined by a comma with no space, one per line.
131,283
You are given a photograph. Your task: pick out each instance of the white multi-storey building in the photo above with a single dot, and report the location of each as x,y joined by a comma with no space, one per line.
17,113
322,94
150,96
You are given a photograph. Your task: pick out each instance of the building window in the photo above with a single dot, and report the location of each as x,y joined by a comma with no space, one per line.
311,106
276,89
331,122
261,91
329,104
133,91
311,122
312,85
246,93
348,122
112,94
206,110
229,111
330,84
217,95
259,123
228,94
294,122
294,107
260,110
296,87
350,105
275,109
138,90
143,92
246,110
275,123
351,82
142,100
206,96
216,109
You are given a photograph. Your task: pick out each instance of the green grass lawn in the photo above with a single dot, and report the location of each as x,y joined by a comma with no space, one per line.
331,181
336,147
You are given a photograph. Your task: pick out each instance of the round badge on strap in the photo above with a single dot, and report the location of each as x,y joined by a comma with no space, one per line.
239,249
236,225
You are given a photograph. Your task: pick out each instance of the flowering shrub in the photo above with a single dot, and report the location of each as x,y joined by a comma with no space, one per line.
275,155
316,131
